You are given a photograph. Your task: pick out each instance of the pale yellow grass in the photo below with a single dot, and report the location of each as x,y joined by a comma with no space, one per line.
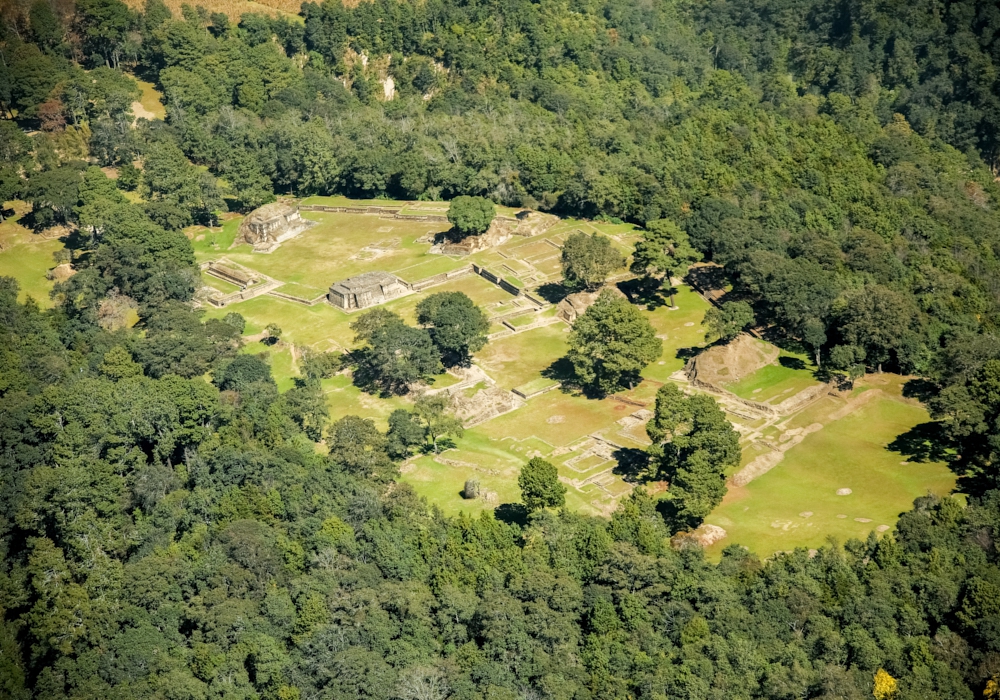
234,10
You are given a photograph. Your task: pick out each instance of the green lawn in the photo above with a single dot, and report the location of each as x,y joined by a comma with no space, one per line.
301,291
332,250
345,399
556,418
280,358
521,358
490,461
847,453
210,244
27,258
523,320
495,462
321,326
763,515
151,100
775,383
536,385
481,291
679,328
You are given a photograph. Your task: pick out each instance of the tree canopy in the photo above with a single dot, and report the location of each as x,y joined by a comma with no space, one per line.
395,355
693,446
611,343
471,216
147,514
727,321
588,260
457,326
164,538
539,484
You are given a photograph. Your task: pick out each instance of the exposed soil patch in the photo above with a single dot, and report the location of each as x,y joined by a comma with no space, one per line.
61,272
739,358
141,112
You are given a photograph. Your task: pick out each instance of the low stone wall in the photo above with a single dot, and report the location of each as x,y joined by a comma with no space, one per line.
248,293
441,278
766,409
628,402
297,300
486,274
499,281
513,224
350,210
508,287
423,218
382,212
533,394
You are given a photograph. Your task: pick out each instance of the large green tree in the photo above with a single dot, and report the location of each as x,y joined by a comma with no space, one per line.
355,444
168,176
406,433
663,253
693,446
53,194
877,320
611,343
540,486
588,260
105,25
242,371
471,216
457,326
433,410
395,355
727,321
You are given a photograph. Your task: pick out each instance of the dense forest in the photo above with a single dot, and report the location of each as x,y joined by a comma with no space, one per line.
167,537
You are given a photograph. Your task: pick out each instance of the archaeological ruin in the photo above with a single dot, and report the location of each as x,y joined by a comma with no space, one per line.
366,290
267,227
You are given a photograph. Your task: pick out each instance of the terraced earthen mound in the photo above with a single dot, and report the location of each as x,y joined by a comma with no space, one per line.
738,358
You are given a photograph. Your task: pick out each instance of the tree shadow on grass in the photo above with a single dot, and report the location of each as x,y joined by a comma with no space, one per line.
645,291
926,442
708,278
791,362
633,465
920,389
452,235
76,240
512,514
562,371
552,292
687,353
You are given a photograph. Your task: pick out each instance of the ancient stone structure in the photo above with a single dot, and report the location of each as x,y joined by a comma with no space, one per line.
502,228
241,278
573,306
499,232
722,364
267,227
366,290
